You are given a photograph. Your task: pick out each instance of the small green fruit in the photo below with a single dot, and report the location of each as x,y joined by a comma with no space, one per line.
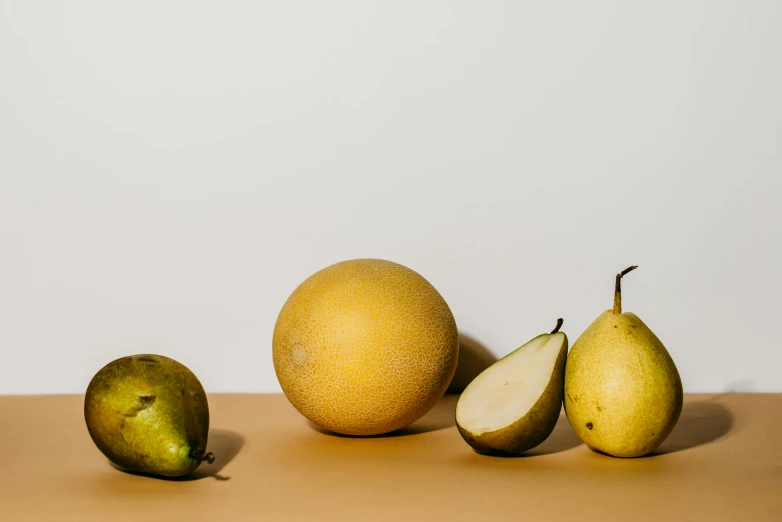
148,414
623,393
514,404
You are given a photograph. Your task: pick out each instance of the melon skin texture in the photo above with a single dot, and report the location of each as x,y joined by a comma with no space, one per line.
365,347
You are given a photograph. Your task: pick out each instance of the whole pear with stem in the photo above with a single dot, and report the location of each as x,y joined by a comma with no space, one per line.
149,414
623,393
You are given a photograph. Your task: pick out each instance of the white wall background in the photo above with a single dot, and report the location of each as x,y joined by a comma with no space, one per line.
170,171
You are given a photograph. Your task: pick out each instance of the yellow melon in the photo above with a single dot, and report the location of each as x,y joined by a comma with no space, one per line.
365,347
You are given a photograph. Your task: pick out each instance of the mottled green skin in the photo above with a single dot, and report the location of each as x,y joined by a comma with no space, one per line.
623,394
532,429
148,414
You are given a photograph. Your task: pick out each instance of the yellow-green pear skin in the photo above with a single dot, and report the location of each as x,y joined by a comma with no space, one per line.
530,430
623,393
514,404
148,414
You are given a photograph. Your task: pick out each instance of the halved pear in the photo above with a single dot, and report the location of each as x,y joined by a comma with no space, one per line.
514,404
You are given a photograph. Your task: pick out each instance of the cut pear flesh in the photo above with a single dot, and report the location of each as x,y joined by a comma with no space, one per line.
506,391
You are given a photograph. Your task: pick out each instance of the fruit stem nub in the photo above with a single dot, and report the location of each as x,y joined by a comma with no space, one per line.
559,325
618,289
209,458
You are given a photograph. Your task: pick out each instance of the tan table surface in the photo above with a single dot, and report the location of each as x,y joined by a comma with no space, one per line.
722,462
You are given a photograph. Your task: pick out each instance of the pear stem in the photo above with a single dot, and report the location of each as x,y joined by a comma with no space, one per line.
559,325
618,289
209,458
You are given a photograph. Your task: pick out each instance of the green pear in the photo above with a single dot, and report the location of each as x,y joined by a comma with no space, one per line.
148,414
513,405
623,393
